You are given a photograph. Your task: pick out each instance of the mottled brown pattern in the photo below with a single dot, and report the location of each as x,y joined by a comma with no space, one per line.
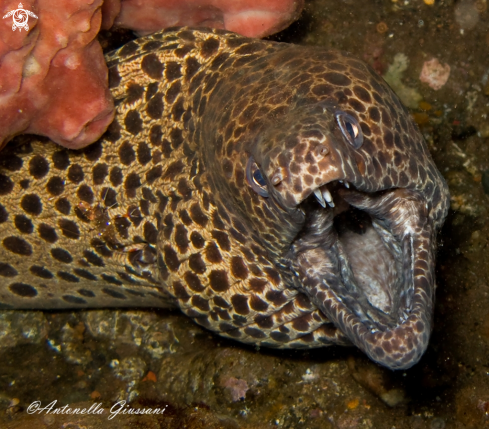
161,211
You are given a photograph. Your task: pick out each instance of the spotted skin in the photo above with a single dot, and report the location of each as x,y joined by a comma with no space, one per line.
159,212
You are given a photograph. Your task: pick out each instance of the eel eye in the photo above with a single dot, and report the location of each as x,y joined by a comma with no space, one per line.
350,128
255,179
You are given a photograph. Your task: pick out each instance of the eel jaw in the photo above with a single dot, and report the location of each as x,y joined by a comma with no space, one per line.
397,338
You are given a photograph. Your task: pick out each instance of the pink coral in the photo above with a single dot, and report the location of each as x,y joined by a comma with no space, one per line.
252,18
434,73
53,78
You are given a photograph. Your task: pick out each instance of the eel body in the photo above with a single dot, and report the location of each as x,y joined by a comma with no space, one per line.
279,195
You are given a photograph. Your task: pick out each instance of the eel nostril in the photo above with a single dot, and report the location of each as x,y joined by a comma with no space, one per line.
278,176
321,150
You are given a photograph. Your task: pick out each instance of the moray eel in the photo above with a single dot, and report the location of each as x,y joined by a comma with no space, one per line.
279,195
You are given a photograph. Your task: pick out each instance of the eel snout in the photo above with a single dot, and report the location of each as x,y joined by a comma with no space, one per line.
368,267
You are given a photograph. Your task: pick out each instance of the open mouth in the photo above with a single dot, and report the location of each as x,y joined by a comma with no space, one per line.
365,260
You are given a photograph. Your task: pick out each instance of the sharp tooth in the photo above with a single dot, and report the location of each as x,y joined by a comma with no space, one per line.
319,197
347,185
327,196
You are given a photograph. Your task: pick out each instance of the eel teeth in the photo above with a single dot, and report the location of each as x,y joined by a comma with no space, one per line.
347,184
319,197
327,196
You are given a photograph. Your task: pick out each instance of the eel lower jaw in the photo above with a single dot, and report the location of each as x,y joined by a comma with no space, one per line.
387,315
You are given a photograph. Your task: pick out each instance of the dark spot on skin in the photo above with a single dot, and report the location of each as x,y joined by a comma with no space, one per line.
41,272
55,185
192,66
181,238
265,322
133,122
93,259
254,333
172,92
116,176
154,174
173,169
257,304
73,299
113,133
24,184
17,245
197,240
198,215
238,268
209,47
212,253
374,114
130,291
23,290
222,240
276,297
279,337
356,105
131,184
23,224
11,162
61,159
218,281
122,225
61,255
6,185
75,173
240,304
153,45
151,90
196,263
3,214
301,324
152,66
111,279
113,293
193,282
69,229
171,258
38,167
85,274
337,79
180,292
100,247
144,153
93,152
362,94
273,275
150,233
31,204
200,303
134,93
67,277
86,292
7,270
128,49
47,233
99,173
85,193
109,197
258,285
172,71
126,153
